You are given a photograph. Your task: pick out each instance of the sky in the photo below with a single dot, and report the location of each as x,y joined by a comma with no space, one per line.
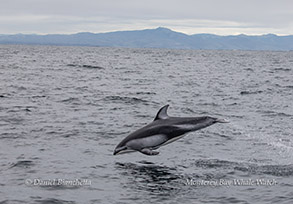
222,17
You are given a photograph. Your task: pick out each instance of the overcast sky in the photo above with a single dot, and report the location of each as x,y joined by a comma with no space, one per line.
223,17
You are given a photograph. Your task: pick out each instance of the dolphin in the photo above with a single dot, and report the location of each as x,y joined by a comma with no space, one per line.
163,130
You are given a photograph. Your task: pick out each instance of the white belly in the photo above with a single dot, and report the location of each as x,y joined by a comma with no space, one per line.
147,142
172,140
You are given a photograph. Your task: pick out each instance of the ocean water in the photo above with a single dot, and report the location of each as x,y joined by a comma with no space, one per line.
64,109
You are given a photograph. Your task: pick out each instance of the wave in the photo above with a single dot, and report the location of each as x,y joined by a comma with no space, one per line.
275,170
159,179
71,100
85,66
125,99
208,104
250,92
282,69
23,164
275,113
145,93
289,86
53,201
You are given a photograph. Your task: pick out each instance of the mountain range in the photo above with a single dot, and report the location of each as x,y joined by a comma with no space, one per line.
156,38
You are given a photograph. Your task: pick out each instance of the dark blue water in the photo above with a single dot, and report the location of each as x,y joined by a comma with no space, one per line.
64,109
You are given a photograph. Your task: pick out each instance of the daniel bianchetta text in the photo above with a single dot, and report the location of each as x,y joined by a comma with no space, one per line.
232,182
58,182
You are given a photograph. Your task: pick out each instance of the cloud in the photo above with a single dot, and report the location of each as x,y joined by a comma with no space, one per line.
189,16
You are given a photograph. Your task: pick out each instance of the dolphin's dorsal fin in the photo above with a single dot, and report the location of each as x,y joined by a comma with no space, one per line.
162,114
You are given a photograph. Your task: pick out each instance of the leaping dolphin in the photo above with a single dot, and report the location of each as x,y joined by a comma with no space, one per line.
163,130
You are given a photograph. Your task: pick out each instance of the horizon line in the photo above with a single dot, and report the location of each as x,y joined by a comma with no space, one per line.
160,27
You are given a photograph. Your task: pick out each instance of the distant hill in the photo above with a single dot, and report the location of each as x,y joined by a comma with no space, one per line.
157,38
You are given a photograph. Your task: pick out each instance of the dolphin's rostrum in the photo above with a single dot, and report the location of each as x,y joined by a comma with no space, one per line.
163,130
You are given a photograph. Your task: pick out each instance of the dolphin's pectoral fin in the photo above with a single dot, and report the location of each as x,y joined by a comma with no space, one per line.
148,152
